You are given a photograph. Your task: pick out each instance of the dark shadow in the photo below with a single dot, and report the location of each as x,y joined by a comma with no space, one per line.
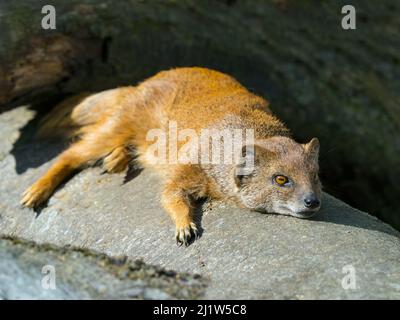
198,217
133,170
31,152
132,173
341,214
337,212
39,209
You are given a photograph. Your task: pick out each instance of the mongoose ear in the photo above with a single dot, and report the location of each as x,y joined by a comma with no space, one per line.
312,148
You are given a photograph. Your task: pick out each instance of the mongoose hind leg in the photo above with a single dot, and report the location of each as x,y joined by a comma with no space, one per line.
92,147
73,158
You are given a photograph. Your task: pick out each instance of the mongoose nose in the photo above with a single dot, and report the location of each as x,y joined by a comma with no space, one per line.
311,201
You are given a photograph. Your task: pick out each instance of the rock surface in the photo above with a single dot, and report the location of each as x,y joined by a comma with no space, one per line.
26,272
244,254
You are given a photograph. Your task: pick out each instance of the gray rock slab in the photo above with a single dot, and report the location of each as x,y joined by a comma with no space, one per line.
31,271
244,254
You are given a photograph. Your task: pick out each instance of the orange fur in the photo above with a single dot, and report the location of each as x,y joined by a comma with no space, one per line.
111,122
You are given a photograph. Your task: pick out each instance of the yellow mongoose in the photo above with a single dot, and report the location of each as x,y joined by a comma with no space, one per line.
283,178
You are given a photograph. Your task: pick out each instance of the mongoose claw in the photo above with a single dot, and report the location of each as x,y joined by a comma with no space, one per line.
186,235
34,196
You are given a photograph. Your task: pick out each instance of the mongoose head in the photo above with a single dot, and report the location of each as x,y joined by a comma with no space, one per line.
284,178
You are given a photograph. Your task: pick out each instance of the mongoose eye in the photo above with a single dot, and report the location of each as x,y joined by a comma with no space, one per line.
281,180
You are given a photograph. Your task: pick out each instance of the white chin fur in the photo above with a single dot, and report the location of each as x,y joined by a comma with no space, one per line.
304,215
295,213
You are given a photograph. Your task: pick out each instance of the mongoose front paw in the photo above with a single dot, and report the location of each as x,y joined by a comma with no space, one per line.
36,195
116,161
186,234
